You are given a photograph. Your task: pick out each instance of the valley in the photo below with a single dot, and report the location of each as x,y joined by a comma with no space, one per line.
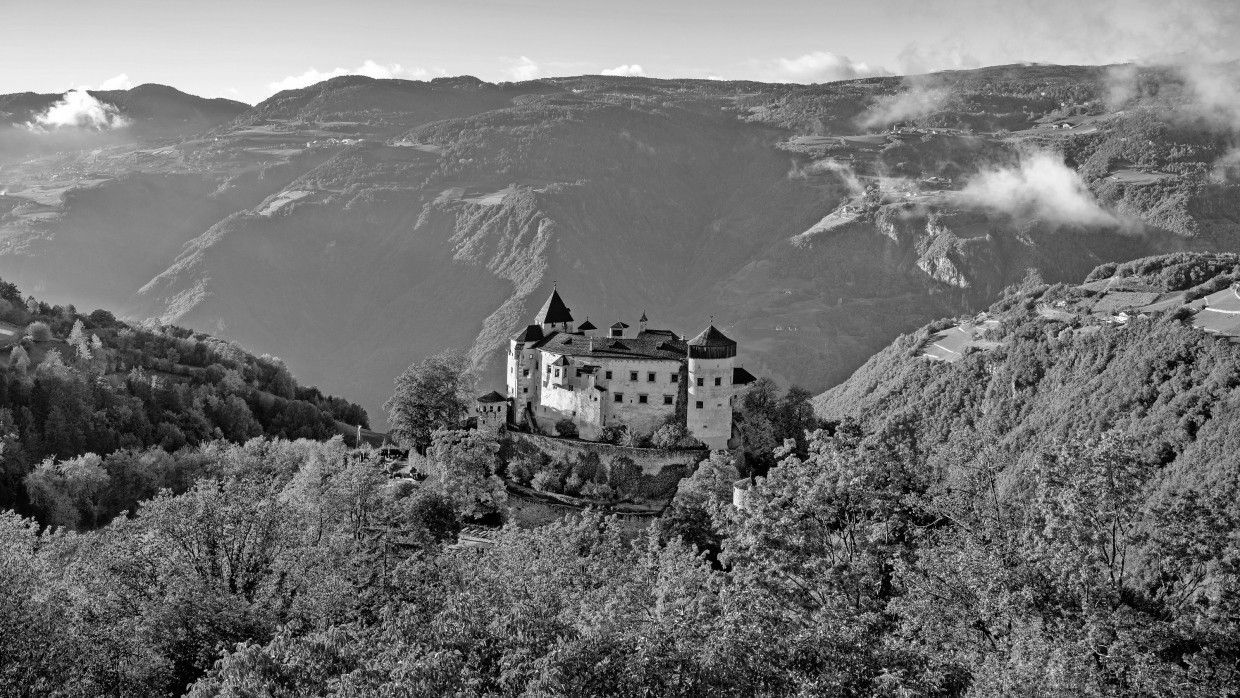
357,225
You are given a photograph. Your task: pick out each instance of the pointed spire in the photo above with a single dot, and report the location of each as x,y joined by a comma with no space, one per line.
553,311
643,317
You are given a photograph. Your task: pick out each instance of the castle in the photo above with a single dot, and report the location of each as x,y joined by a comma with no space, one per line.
558,370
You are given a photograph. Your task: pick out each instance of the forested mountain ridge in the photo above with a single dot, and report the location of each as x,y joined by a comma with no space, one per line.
1059,373
336,224
74,384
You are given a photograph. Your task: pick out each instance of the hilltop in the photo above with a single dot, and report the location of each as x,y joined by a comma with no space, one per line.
356,225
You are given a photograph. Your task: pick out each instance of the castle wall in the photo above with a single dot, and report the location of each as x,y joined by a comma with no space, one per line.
712,422
557,403
652,461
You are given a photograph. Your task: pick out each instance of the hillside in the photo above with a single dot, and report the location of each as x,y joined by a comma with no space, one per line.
1130,354
73,384
357,225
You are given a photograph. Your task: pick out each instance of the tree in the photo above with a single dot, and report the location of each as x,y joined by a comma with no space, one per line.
433,394
39,331
465,463
19,360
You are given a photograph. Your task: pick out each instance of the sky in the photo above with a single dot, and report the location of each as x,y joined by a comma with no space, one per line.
248,50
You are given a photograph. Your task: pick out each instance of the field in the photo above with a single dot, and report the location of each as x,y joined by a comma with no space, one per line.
951,344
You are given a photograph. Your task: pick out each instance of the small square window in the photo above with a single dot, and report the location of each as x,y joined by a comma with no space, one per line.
526,373
718,381
525,390
699,404
632,375
675,377
642,399
557,373
701,382
649,377
607,375
619,397
667,399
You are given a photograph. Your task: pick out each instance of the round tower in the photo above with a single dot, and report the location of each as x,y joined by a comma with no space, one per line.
712,356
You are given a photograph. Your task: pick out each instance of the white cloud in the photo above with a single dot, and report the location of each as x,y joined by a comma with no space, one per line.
368,68
120,82
917,100
1041,186
819,66
631,71
522,69
78,109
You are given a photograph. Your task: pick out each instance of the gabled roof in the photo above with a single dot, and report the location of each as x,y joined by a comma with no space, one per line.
560,361
532,333
619,326
553,311
587,325
492,396
711,337
647,345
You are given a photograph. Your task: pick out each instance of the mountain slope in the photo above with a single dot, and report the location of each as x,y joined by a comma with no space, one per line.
357,225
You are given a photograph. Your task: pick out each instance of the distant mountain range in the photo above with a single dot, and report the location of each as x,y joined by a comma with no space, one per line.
358,225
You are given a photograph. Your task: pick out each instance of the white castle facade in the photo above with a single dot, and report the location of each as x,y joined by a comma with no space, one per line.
639,379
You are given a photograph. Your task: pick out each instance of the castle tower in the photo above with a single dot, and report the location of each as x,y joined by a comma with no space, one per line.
492,412
554,314
522,377
641,324
712,356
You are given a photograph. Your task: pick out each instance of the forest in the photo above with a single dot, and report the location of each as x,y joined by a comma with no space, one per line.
1056,516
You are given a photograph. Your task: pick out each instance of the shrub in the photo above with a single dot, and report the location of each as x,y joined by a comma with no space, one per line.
39,331
546,481
613,435
566,428
600,491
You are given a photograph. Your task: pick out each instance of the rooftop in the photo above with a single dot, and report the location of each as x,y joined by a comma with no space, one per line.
655,344
553,311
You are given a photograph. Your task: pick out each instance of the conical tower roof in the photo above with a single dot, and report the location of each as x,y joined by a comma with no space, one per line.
553,311
712,337
711,344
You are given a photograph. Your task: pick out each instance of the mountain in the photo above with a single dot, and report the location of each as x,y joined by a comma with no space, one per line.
357,225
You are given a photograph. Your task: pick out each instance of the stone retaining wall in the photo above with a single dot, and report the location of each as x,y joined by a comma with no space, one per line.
652,461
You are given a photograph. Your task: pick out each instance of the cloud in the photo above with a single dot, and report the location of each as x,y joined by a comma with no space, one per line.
919,99
522,69
631,71
368,68
78,109
120,82
819,66
916,59
1040,186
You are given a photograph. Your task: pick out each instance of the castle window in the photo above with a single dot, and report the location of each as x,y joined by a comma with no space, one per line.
619,397
701,382
526,373
650,377
607,375
667,399
632,375
675,377
699,404
557,373
718,381
642,399
526,390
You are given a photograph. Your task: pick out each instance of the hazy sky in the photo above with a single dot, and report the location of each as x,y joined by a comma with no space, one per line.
249,49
